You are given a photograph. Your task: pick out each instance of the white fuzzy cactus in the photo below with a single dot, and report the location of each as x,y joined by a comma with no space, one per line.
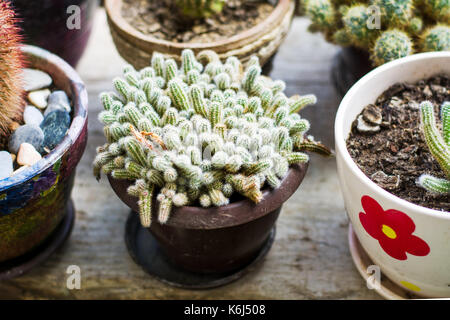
200,132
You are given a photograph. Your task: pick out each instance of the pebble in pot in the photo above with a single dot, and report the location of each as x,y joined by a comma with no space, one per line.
6,164
27,155
36,79
58,100
27,133
55,126
32,116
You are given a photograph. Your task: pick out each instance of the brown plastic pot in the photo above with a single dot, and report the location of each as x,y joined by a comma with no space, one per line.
218,239
262,40
349,65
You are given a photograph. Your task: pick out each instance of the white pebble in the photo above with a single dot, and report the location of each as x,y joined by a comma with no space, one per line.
35,79
32,116
39,98
28,155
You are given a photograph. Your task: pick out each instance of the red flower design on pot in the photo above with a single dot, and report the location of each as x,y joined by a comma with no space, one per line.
393,229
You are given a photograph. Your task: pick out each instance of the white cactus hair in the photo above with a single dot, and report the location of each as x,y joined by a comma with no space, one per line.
199,133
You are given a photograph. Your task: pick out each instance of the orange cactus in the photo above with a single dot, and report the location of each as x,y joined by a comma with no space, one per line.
11,63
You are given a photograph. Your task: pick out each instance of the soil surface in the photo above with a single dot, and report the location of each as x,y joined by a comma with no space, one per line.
391,149
159,19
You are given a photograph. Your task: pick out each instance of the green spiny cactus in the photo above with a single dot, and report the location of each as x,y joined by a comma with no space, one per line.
195,9
438,144
11,104
395,12
196,139
439,9
436,38
401,28
391,45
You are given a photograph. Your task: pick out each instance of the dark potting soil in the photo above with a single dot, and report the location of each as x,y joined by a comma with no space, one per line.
157,18
396,155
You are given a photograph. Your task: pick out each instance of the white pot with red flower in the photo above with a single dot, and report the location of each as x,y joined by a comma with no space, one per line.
410,243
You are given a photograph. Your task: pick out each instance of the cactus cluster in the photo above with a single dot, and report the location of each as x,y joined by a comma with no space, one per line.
199,133
11,91
405,26
195,9
438,144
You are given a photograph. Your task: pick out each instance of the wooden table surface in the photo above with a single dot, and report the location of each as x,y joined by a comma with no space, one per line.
310,258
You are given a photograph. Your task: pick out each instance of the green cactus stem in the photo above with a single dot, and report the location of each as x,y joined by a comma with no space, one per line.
438,145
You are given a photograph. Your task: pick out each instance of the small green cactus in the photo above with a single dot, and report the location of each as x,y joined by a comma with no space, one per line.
438,144
195,9
391,45
200,132
436,38
404,25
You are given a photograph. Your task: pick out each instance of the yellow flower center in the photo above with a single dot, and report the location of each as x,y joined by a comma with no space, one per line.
389,232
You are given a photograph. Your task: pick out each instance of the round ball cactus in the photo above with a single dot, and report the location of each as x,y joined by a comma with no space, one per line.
391,45
437,9
395,12
355,20
353,23
321,12
11,89
436,39
198,133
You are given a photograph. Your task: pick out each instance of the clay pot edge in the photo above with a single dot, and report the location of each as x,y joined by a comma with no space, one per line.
78,94
149,43
235,213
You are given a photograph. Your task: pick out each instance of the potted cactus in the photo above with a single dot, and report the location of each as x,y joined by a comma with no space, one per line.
206,153
393,157
228,27
405,27
35,205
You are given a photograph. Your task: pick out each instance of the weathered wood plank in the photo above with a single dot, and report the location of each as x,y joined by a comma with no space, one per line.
310,257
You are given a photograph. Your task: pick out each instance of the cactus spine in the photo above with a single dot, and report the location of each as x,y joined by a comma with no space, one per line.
196,139
438,144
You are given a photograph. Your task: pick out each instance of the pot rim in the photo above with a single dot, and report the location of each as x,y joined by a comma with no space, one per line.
79,119
340,140
114,7
194,217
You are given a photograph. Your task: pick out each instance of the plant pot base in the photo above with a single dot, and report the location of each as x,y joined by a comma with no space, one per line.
144,250
19,266
348,66
387,289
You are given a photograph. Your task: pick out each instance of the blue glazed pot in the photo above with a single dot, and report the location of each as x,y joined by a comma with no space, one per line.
34,200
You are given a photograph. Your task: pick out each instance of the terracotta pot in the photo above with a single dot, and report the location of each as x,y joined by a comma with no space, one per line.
262,40
349,65
218,239
44,24
409,243
34,201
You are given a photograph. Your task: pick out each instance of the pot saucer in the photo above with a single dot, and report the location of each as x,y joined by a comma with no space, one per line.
144,250
388,289
20,265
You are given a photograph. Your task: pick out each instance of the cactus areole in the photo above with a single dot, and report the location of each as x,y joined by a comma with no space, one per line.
201,135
